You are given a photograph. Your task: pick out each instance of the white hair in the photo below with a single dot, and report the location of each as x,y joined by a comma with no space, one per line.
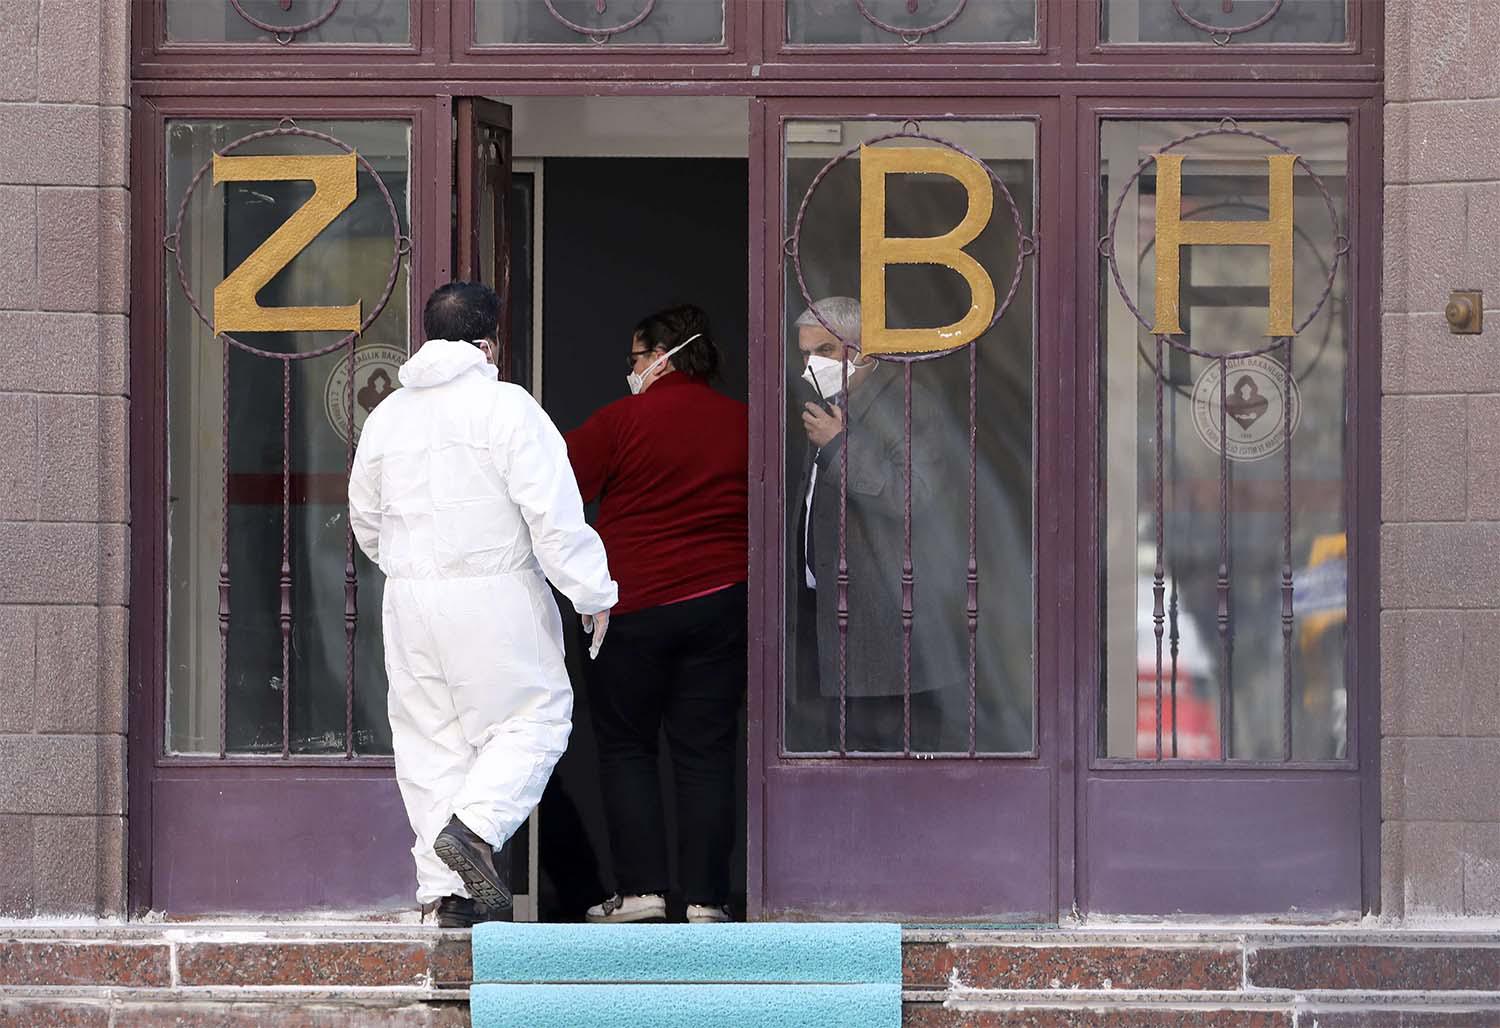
841,313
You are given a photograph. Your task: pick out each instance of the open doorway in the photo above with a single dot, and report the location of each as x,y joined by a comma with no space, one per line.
619,207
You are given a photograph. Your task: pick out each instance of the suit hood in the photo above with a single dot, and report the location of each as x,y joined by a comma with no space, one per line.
440,361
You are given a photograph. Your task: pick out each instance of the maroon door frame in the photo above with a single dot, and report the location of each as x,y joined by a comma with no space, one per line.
250,834
1301,838
472,117
1069,75
816,858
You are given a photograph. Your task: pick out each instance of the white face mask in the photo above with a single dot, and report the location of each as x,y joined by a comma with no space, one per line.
637,382
827,376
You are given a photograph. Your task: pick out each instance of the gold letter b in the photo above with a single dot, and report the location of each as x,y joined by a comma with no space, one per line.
877,250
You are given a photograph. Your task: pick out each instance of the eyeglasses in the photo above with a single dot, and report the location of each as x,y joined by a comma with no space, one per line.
636,355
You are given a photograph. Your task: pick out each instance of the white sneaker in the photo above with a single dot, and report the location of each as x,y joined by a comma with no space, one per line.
628,910
697,914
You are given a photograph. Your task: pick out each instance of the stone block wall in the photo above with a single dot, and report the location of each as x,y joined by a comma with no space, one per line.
1440,573
64,270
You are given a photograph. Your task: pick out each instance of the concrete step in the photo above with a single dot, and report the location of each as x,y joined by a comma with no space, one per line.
310,1008
1213,959
397,975
314,1008
1099,1013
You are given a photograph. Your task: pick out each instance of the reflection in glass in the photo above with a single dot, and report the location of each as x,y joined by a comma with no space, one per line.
1224,295
669,22
349,260
355,22
840,22
874,680
1285,21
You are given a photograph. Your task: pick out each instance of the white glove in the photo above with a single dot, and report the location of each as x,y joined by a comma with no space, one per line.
596,625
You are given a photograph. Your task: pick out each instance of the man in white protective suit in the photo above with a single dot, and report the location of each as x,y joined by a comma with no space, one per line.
463,495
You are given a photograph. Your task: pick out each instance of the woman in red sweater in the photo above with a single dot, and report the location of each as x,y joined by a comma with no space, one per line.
669,466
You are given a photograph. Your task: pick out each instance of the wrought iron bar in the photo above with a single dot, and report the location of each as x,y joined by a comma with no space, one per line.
1174,634
843,572
1174,641
1158,581
284,34
1224,35
1287,614
599,35
286,558
1226,691
224,569
910,36
908,583
973,608
351,584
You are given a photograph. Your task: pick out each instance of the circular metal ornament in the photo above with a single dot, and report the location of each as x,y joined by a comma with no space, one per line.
599,35
401,244
1223,35
284,34
1025,245
909,36
1225,128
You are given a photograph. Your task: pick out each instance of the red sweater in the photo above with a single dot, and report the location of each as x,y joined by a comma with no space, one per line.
671,469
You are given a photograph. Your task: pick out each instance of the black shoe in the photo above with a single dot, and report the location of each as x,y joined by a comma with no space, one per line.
462,912
471,858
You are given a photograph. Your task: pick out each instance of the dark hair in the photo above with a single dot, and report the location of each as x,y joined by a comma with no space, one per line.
464,311
665,329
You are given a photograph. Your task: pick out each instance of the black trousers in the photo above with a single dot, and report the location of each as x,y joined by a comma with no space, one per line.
680,667
566,856
877,724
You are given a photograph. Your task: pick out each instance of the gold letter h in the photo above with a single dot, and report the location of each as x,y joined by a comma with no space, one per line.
1173,233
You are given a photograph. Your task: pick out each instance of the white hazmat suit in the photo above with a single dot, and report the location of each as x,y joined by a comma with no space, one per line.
463,495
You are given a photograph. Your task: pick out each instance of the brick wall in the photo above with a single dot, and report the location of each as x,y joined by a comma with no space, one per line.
64,262
1440,579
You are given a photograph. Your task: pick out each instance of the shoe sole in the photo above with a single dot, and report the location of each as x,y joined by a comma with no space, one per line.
479,885
628,919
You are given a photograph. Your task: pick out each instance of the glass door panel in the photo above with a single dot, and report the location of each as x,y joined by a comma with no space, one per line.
1225,22
910,22
303,22
1253,685
265,656
586,23
907,732
906,658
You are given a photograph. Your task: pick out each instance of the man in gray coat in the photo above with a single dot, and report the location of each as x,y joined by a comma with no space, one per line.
868,420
